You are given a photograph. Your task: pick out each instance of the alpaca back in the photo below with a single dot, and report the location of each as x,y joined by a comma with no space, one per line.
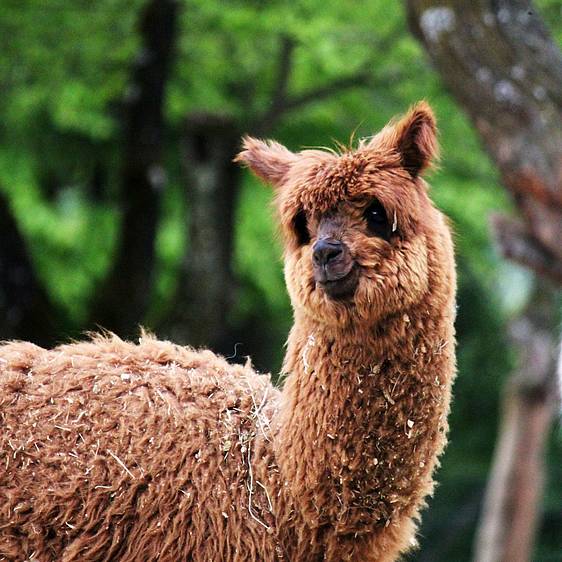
116,451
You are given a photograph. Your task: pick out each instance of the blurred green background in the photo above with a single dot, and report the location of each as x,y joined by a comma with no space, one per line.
67,83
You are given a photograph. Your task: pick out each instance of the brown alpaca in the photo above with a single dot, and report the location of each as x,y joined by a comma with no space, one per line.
115,451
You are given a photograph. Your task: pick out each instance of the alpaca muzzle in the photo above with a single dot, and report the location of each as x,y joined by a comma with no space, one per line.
334,268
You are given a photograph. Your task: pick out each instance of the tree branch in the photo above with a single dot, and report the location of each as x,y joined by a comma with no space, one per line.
517,244
267,121
282,103
362,78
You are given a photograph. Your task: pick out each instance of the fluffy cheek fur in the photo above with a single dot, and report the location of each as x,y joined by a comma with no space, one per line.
392,284
391,280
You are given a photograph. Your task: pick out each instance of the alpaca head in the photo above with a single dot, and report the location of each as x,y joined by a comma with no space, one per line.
358,226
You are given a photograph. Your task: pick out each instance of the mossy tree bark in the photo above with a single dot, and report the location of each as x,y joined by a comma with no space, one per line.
498,60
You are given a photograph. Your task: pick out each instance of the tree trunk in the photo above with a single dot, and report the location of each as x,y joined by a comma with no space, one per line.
499,62
213,182
122,302
26,311
511,507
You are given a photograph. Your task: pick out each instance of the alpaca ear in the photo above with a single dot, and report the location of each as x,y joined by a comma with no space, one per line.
414,137
269,160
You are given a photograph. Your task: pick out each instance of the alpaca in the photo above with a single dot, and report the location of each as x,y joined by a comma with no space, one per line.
114,451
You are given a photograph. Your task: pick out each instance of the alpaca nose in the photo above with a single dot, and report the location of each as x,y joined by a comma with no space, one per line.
325,251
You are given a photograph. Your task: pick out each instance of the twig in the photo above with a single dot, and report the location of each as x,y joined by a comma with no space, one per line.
266,495
122,464
251,489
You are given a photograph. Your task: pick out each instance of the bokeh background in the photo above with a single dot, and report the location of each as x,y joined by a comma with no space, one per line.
120,205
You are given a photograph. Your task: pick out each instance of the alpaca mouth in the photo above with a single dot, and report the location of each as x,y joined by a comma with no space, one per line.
343,287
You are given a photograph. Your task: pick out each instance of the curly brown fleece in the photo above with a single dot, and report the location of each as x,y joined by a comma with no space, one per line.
112,451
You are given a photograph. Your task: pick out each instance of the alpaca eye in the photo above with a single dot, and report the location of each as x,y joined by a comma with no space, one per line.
301,229
377,221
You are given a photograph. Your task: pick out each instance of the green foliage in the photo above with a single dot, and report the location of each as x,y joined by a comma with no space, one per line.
64,70
231,55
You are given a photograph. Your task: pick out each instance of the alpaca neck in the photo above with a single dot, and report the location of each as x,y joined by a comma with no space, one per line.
342,404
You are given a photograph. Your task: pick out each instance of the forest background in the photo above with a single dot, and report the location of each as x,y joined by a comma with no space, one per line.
120,205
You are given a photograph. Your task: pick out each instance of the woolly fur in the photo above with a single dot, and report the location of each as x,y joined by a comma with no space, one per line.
112,451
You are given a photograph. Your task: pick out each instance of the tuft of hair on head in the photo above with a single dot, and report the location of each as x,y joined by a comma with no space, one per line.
413,137
267,159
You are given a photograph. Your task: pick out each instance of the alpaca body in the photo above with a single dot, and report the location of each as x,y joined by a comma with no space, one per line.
112,451
116,452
